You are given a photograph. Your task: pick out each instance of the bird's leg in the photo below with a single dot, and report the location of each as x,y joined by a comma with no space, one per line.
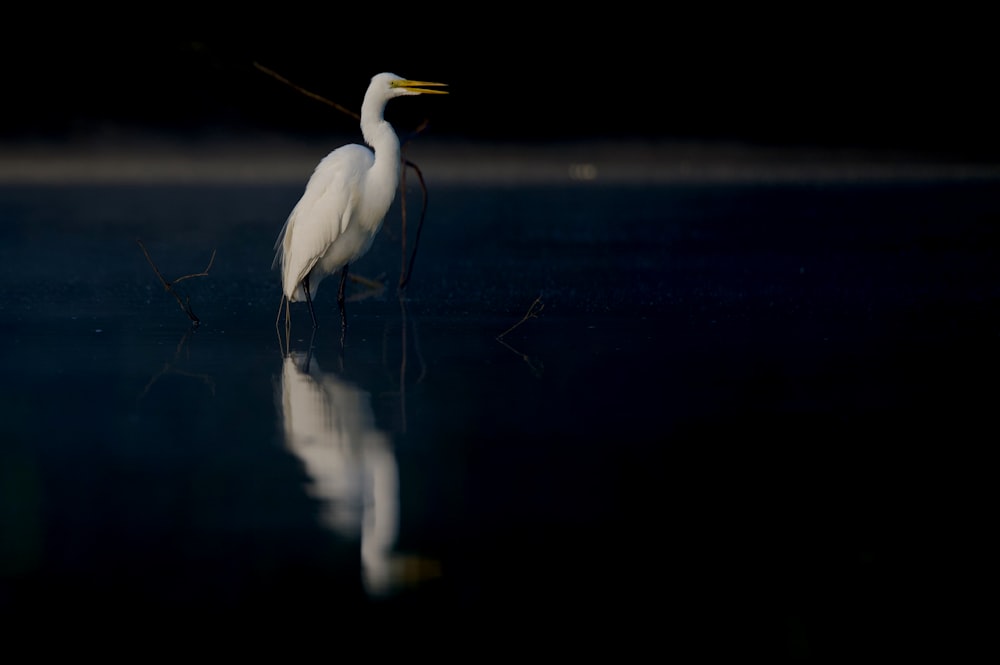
340,304
305,288
283,305
343,283
288,325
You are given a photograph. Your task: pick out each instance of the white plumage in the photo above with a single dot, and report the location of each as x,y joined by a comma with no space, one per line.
345,200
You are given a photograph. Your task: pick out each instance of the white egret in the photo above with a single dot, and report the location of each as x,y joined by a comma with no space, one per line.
345,200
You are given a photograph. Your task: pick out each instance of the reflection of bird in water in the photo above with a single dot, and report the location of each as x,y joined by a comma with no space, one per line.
330,426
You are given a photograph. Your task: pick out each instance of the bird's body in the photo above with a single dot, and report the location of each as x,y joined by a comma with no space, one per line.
329,226
345,200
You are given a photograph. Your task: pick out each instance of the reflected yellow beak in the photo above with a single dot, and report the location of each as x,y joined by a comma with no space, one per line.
420,87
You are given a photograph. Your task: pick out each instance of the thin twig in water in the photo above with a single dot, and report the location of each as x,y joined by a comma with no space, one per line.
168,286
407,269
203,273
533,311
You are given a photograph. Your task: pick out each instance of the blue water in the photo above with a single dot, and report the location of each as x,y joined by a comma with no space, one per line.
707,431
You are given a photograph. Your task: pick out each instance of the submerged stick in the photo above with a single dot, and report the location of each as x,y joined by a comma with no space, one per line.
168,286
406,269
533,311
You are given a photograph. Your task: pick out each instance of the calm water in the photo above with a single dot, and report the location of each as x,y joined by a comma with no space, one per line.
709,435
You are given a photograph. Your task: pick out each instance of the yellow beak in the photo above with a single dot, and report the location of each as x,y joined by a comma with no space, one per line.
420,87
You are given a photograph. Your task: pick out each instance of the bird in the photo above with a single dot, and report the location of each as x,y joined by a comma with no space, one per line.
345,200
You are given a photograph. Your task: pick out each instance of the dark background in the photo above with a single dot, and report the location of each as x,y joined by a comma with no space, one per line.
828,77
843,332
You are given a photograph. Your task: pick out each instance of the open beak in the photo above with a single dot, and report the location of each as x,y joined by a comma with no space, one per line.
420,87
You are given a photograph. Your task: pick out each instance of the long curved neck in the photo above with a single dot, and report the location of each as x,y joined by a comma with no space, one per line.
379,134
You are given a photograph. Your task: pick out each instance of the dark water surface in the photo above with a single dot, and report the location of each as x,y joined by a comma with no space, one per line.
710,436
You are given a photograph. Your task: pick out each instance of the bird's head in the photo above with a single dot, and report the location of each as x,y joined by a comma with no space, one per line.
397,86
382,88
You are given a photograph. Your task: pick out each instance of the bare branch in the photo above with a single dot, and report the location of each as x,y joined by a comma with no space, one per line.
203,273
407,268
534,310
307,93
168,286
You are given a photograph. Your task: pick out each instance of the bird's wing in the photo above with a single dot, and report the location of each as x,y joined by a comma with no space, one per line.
323,212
